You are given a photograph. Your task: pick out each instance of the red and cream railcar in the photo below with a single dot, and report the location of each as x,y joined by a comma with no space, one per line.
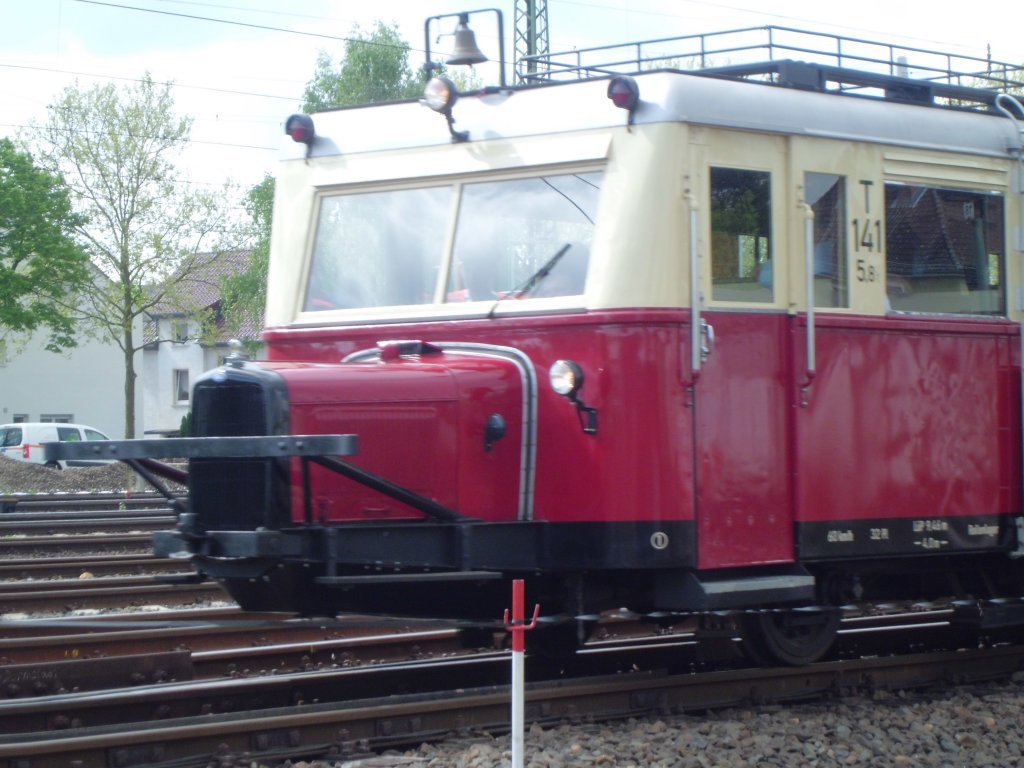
740,346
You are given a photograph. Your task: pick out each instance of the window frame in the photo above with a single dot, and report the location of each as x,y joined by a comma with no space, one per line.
176,375
437,306
895,282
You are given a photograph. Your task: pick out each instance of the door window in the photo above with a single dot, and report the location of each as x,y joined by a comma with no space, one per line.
741,252
826,194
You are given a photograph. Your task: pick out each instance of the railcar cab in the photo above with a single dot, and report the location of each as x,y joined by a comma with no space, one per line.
682,342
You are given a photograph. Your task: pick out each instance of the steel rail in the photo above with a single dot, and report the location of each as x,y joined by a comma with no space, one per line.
84,526
232,647
114,511
40,546
333,729
101,593
96,565
11,503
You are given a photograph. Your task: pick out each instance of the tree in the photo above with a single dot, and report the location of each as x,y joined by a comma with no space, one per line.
142,226
244,295
375,68
40,262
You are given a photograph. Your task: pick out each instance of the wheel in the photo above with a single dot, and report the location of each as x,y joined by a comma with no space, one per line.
52,465
791,637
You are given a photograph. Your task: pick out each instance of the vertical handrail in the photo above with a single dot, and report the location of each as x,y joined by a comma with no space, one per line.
811,368
695,300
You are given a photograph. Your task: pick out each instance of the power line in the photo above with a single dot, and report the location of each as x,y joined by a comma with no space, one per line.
246,9
247,24
139,80
184,141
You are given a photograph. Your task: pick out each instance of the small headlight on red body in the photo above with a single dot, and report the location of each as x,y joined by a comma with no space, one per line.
300,128
566,378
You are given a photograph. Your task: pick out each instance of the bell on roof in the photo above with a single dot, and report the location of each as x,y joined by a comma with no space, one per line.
465,50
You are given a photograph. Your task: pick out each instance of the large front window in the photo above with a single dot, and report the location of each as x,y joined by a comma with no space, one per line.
512,238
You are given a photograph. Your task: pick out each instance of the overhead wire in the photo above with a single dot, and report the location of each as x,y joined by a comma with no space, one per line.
196,17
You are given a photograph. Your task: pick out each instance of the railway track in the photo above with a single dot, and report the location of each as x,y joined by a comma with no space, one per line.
73,553
68,502
63,596
84,522
346,725
87,566
230,647
218,686
44,537
14,547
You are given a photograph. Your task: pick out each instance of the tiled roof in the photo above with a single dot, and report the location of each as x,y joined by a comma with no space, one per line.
200,288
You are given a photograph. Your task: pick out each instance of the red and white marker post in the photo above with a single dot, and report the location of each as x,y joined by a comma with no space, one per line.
518,627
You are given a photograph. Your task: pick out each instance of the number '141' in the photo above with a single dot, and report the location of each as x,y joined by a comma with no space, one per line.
867,235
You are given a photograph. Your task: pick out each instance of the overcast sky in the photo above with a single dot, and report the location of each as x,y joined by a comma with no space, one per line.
239,66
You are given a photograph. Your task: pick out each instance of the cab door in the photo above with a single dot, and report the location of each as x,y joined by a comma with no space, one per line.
742,446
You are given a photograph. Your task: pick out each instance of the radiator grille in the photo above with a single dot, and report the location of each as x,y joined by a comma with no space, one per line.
236,494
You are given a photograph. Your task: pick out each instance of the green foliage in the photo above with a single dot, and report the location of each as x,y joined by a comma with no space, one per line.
375,68
117,151
40,263
185,430
244,295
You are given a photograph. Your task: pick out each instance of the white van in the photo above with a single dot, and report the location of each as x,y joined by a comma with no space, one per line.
24,441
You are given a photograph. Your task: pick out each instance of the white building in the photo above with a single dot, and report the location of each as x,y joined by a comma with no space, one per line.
178,348
86,384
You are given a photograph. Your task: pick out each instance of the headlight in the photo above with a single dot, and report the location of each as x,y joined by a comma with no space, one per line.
440,95
566,378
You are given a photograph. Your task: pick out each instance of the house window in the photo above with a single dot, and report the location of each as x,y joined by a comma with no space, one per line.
181,388
56,418
179,331
20,418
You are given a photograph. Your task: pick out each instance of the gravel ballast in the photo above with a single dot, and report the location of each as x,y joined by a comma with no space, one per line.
975,726
21,477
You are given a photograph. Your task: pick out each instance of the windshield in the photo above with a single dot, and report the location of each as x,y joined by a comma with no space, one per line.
10,436
390,248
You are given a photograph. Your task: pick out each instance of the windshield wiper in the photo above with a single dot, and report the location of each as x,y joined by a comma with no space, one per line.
533,280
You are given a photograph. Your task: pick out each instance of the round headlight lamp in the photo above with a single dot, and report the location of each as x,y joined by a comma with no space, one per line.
566,378
440,94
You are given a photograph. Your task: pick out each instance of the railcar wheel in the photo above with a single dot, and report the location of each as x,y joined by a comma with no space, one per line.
789,637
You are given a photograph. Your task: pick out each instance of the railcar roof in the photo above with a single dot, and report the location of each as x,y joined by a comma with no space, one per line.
668,96
770,79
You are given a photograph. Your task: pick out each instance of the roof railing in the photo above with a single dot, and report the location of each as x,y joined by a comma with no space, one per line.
747,53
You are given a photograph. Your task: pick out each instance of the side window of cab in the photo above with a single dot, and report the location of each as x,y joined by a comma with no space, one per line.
945,250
